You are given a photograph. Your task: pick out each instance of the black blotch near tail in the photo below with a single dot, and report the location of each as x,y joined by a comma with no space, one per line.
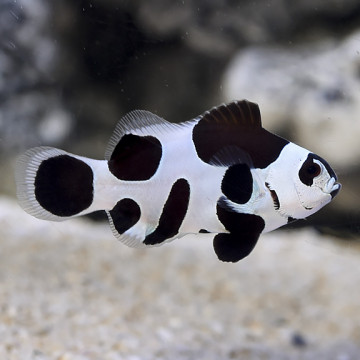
237,184
173,213
135,158
244,229
64,185
125,214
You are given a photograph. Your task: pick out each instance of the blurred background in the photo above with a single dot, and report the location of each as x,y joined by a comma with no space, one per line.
70,69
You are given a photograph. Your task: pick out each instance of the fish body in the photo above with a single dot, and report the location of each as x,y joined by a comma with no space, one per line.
219,173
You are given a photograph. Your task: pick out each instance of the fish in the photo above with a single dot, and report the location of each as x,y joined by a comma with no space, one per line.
220,173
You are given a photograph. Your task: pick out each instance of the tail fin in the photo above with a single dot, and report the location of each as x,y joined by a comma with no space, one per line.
53,184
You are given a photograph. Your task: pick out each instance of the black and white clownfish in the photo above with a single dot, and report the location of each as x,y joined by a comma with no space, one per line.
220,173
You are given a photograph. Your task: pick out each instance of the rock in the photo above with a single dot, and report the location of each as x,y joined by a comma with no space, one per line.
29,57
218,28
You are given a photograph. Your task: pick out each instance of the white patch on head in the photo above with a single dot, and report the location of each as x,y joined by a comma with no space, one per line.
297,199
323,183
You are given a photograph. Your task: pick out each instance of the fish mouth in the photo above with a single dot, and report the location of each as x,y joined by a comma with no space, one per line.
336,189
332,187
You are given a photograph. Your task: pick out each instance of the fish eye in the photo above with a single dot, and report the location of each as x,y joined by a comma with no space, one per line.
313,170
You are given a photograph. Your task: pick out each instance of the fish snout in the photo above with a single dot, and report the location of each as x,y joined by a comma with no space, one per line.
335,190
332,187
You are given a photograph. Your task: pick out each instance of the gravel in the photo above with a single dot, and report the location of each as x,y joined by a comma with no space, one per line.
70,291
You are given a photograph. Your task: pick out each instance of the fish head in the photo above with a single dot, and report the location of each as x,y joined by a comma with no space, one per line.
316,183
302,182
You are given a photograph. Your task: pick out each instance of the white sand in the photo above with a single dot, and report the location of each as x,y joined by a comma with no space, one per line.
71,291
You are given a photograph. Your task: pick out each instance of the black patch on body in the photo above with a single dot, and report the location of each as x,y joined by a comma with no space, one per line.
125,214
236,124
64,185
244,229
173,213
310,170
237,183
135,158
291,220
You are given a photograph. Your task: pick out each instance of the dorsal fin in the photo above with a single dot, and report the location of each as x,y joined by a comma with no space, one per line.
243,113
134,120
236,124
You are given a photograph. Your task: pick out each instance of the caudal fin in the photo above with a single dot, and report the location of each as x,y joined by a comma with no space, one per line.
53,184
